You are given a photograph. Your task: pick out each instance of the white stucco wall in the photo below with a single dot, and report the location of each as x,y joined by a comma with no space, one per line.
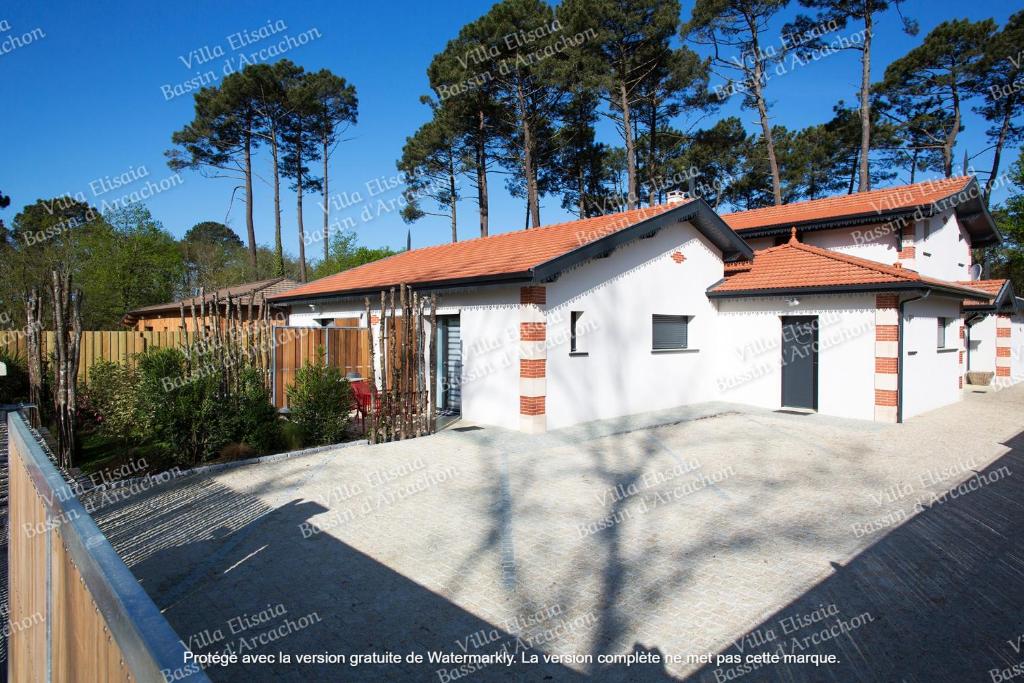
620,374
877,243
930,376
983,345
943,248
1017,349
748,351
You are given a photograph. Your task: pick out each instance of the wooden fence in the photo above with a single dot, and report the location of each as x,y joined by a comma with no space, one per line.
76,612
115,346
345,348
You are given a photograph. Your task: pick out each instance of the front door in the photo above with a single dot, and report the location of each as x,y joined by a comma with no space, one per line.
450,362
800,361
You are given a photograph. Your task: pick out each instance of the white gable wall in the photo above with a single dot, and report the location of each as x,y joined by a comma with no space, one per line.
943,248
877,243
620,375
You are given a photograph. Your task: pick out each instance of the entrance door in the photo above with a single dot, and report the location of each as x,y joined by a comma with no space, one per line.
800,361
450,361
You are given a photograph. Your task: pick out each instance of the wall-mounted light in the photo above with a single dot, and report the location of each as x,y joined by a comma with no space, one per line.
793,302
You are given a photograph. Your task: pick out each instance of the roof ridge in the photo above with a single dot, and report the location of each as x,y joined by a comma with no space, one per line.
930,183
637,215
877,266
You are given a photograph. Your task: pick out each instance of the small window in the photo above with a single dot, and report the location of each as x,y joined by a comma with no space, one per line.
942,324
575,345
669,332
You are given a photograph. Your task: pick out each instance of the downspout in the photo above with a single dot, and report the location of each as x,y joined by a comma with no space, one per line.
899,360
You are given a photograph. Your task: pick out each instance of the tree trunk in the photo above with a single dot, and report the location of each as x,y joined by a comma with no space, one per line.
326,207
1009,102
481,173
249,226
580,189
627,131
949,144
652,171
34,350
67,323
532,200
865,106
762,110
278,247
853,171
298,199
451,189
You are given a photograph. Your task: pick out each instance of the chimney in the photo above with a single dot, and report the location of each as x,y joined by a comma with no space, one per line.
676,197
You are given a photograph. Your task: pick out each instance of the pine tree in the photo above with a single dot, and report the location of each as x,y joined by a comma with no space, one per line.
741,26
806,35
430,164
1000,83
336,109
629,42
933,80
220,140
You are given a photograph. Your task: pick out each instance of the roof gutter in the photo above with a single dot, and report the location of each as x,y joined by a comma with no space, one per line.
839,289
900,362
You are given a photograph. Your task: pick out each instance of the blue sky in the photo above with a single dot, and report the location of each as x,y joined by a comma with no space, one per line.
85,99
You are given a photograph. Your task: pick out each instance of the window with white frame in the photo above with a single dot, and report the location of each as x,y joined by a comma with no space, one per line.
943,326
669,332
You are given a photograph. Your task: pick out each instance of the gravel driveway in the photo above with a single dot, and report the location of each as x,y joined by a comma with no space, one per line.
700,536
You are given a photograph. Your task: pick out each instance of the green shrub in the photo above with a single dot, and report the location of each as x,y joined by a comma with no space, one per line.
320,401
189,415
13,387
256,422
111,399
184,414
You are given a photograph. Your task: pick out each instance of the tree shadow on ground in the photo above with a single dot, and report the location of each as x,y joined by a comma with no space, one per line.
266,587
939,598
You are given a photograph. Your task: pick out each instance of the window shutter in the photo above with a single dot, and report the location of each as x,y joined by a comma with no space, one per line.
669,332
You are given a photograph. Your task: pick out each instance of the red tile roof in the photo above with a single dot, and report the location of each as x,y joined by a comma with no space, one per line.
796,266
848,205
992,287
508,254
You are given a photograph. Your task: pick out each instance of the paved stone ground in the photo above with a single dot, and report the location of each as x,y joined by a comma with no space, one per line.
716,530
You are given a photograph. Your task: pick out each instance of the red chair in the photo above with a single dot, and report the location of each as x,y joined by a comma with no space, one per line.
364,394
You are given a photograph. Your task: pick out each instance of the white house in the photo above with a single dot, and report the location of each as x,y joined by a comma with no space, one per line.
669,305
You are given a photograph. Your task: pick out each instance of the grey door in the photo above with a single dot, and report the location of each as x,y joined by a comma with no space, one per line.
450,375
800,361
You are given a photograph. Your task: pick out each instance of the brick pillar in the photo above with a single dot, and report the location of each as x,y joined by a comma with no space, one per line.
532,359
908,252
887,336
1003,345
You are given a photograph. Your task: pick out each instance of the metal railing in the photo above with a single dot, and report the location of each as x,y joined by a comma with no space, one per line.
76,611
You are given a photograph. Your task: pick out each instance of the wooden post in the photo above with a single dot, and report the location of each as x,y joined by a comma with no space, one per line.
371,382
432,409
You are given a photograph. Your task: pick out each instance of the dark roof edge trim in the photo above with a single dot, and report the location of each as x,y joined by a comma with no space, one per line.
842,289
524,277
968,197
697,211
